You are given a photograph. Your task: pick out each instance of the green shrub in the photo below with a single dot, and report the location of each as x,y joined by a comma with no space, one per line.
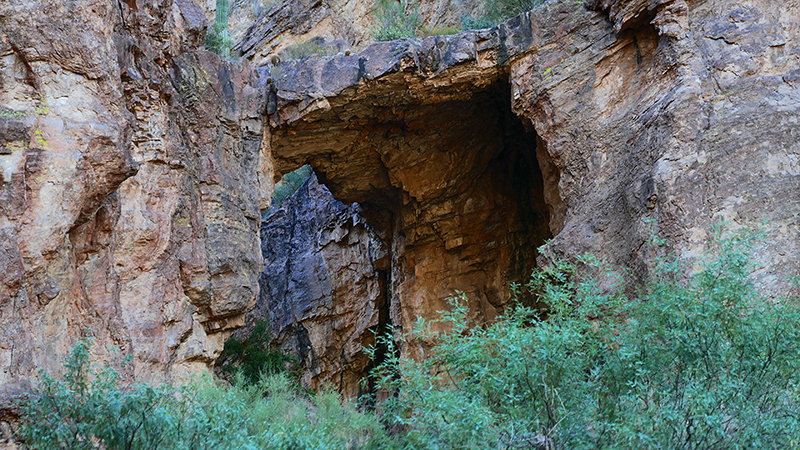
305,49
253,357
90,409
396,20
218,41
697,362
288,186
217,38
497,11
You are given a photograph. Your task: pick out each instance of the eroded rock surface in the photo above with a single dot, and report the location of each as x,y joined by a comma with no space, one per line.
129,192
134,166
618,130
351,22
324,286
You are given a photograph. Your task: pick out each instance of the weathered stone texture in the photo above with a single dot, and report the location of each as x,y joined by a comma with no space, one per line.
130,208
682,132
628,128
134,165
351,22
323,287
668,16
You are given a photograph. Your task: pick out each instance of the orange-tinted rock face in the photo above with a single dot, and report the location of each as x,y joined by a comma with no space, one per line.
615,135
130,207
453,186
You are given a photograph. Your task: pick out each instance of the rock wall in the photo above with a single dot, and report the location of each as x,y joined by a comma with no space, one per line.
134,166
350,23
670,118
129,191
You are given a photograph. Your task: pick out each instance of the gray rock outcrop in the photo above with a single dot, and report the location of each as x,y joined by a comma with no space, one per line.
323,287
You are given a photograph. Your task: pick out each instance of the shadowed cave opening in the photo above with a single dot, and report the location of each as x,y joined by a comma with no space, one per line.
409,202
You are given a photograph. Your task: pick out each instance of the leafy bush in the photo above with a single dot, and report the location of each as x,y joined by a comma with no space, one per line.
253,357
288,186
697,362
497,11
90,409
396,20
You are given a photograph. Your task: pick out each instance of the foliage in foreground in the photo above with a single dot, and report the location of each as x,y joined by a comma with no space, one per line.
90,409
698,363
703,362
254,357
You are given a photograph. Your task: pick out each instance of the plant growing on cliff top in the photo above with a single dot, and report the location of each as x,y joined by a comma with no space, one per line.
287,187
495,12
697,362
396,19
217,38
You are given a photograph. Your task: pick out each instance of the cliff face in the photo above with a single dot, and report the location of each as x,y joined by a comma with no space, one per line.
351,23
134,166
672,117
129,193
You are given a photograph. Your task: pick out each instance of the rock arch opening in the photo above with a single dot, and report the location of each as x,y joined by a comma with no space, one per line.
438,196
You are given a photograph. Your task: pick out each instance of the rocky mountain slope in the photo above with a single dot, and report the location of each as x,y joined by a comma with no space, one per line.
135,163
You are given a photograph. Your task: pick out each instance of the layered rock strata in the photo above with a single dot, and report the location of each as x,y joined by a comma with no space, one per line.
134,166
353,23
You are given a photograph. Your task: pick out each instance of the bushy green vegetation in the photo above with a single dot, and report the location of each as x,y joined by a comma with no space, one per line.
700,363
218,41
254,357
397,19
217,38
288,186
697,362
497,11
91,409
